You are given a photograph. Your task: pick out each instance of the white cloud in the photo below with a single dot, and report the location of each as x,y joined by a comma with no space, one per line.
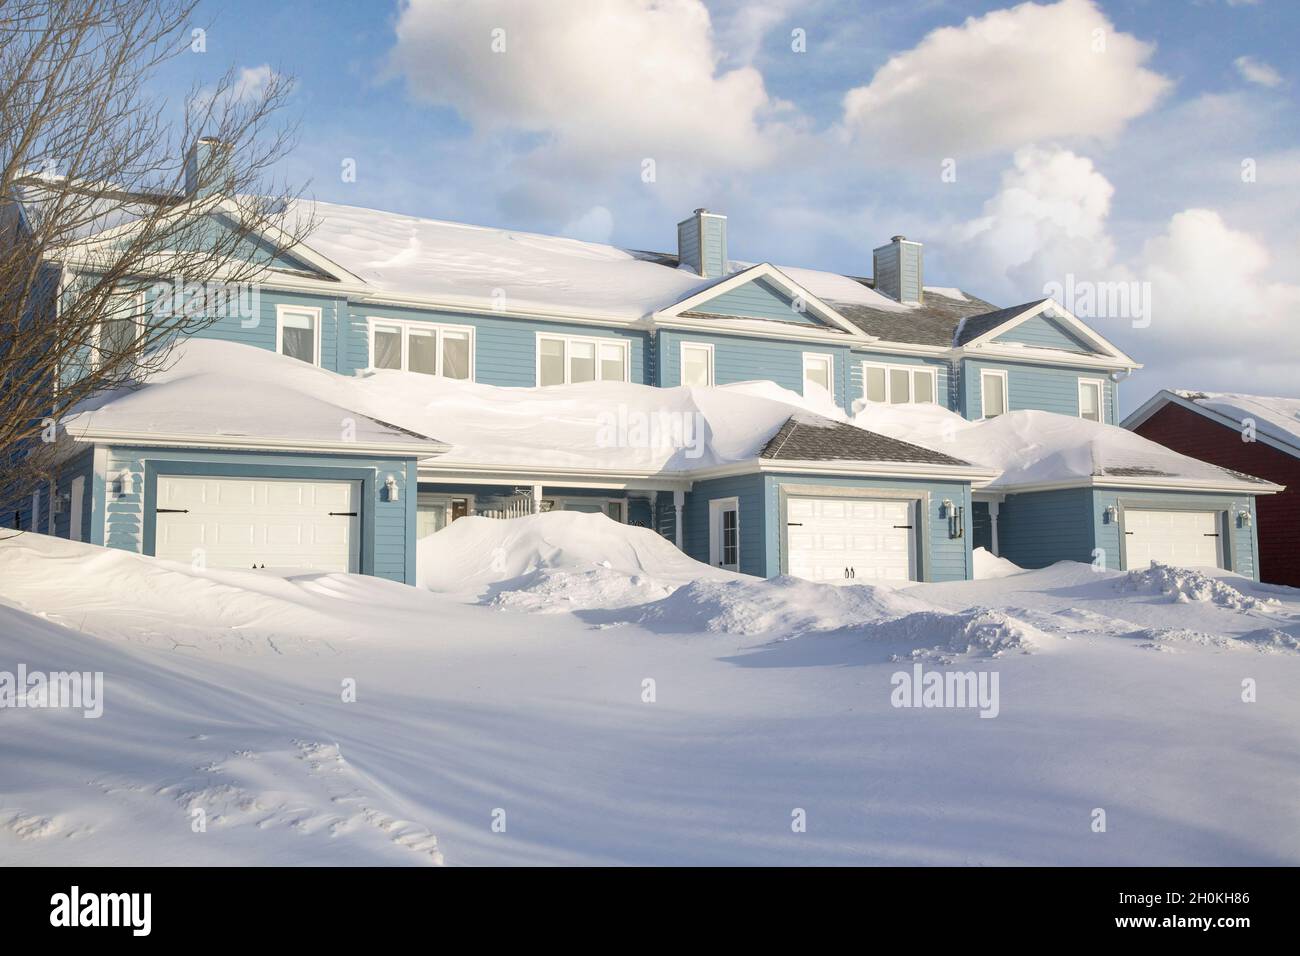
600,79
1257,71
1003,80
594,225
1218,316
252,82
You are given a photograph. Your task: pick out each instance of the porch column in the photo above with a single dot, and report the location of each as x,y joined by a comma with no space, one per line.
679,501
537,499
993,525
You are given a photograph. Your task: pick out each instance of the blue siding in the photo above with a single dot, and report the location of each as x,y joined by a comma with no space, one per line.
1046,333
260,329
1039,528
754,524
740,359
387,546
505,348
1044,387
1241,548
759,299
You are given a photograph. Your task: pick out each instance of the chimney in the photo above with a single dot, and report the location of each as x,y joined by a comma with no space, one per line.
702,243
897,270
202,167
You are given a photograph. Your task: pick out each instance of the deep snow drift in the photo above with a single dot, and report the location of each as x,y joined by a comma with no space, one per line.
336,719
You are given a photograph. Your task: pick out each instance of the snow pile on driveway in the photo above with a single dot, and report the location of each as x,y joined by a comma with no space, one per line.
1181,585
546,550
989,565
783,606
977,631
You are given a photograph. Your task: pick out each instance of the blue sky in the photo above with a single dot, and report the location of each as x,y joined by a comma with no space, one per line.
1100,141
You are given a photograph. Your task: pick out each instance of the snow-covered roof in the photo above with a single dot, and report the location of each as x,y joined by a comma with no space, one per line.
1275,416
1039,449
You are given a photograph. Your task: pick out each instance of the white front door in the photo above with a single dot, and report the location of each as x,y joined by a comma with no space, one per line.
1188,539
257,522
724,533
851,540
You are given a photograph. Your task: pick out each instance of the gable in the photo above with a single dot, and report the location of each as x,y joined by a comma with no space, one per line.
253,248
759,299
1046,332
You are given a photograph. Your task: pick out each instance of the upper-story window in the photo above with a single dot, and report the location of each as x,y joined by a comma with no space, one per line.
1091,391
697,364
446,350
993,392
119,330
297,333
817,370
568,359
899,384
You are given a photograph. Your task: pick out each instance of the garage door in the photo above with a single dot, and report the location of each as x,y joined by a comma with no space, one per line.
1189,539
246,522
865,540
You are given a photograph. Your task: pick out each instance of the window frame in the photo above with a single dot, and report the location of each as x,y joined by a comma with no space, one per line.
912,371
143,304
596,341
707,348
437,328
1101,399
1006,391
317,322
830,371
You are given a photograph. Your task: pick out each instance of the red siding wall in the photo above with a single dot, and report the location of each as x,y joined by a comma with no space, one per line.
1279,515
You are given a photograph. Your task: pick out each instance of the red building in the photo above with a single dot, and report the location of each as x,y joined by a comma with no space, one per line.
1255,434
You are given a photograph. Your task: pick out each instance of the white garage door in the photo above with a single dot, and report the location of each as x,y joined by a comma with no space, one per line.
1189,539
864,540
251,522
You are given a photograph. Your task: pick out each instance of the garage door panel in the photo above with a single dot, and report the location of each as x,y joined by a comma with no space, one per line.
251,522
870,538
1191,539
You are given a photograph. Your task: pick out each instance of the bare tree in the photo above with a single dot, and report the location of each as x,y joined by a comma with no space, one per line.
108,191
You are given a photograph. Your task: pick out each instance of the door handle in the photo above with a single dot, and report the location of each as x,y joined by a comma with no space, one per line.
343,514
172,511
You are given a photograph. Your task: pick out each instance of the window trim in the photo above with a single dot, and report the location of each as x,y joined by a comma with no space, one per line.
830,370
596,341
931,370
313,310
437,328
559,501
1006,390
1101,398
707,348
141,301
716,507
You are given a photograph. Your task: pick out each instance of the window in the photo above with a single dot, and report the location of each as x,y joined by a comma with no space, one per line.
817,371
899,384
567,360
297,333
697,364
121,326
1090,397
446,350
993,392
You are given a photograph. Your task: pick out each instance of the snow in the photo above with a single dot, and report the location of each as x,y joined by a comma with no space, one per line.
988,565
679,730
1033,447
474,266
1274,416
224,388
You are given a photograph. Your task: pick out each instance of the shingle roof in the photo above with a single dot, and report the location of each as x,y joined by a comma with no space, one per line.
934,322
808,437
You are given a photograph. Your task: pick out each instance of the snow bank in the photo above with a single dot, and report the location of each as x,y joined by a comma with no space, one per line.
977,631
595,425
474,553
1031,446
1183,585
989,565
780,606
